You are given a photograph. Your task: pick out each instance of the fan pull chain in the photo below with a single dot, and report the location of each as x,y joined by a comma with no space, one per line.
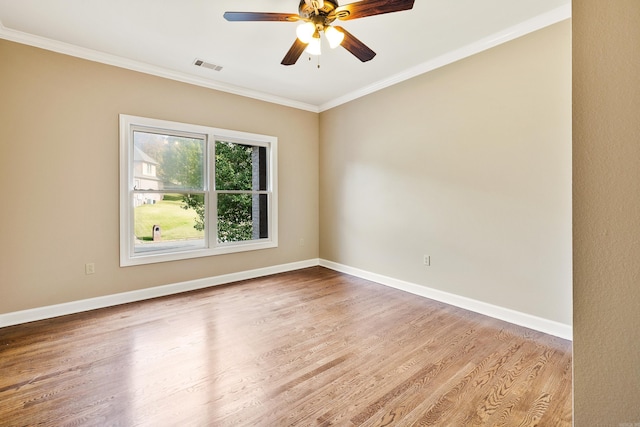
318,56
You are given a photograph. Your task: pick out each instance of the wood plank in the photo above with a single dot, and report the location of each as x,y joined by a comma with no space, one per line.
311,347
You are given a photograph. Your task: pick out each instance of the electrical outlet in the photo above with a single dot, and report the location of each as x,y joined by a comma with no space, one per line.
89,268
427,260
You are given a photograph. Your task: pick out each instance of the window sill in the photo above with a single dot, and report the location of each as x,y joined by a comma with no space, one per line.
150,257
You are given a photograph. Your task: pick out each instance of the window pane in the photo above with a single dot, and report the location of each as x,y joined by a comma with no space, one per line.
240,167
168,162
242,217
167,222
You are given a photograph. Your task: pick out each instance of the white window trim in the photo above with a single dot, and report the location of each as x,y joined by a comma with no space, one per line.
127,241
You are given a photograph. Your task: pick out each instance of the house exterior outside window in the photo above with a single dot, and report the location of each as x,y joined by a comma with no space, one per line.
144,173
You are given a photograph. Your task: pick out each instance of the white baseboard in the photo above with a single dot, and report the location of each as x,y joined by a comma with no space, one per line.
533,322
512,316
48,312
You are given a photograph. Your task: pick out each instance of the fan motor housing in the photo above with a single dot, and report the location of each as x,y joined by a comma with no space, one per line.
308,12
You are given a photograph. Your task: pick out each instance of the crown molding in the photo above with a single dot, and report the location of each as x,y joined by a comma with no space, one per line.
130,64
541,21
537,23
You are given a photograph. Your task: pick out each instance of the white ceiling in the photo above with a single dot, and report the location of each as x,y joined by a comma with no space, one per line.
164,37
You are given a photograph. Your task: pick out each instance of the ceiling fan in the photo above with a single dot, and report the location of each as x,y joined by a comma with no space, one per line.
317,17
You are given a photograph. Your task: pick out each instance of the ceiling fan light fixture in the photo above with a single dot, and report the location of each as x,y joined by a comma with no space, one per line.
334,36
313,48
317,17
305,32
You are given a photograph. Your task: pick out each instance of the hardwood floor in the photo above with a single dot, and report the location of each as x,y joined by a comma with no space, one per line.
312,347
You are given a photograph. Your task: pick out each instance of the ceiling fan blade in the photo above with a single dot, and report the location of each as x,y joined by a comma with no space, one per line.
365,8
260,16
294,52
355,46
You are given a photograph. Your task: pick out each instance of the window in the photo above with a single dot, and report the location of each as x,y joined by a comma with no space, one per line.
149,169
189,191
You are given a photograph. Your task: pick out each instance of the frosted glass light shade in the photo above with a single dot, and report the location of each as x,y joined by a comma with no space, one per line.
334,36
305,32
314,46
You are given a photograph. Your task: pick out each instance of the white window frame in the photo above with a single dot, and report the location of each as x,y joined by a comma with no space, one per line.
128,123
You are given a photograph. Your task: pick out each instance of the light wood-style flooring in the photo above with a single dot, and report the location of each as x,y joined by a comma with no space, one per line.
307,348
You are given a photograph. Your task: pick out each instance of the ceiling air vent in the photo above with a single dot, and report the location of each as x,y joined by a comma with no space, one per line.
204,64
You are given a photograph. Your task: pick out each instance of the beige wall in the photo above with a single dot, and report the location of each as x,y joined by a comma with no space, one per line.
418,168
470,164
59,175
606,206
